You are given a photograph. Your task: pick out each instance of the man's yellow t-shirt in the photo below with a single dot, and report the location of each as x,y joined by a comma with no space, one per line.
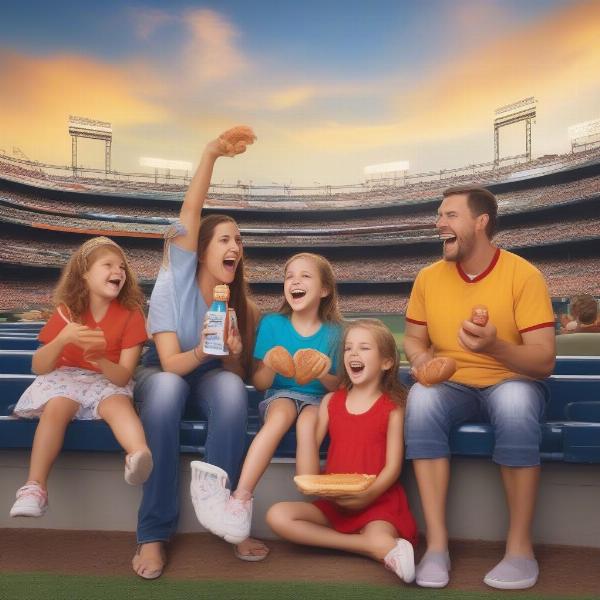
514,292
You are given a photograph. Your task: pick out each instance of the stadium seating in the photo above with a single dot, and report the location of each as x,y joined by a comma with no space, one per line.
571,433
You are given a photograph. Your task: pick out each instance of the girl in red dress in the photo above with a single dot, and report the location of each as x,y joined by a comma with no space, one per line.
365,420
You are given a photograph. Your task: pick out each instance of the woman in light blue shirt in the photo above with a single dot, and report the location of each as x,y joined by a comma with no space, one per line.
200,253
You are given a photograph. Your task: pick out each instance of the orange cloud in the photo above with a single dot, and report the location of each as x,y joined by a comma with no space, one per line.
39,94
552,59
212,53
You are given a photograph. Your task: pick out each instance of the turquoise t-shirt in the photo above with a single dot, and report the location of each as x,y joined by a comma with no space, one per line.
277,330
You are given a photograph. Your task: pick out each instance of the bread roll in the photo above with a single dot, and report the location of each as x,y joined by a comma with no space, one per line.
310,364
479,315
280,360
436,370
236,139
333,484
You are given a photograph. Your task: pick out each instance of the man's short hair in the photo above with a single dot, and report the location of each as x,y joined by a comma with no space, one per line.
585,309
481,202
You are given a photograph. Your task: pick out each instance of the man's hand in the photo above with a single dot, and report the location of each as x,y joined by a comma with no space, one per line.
476,338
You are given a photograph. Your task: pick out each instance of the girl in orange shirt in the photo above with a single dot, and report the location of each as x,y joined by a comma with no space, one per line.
91,346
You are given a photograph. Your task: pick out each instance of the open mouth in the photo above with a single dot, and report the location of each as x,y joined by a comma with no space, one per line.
115,282
356,366
447,238
297,294
229,264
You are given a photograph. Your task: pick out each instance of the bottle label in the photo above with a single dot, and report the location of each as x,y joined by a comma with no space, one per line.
214,342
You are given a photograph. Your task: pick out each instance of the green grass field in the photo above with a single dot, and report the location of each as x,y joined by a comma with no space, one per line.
49,586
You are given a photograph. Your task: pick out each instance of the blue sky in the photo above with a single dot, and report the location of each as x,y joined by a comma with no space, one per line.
328,86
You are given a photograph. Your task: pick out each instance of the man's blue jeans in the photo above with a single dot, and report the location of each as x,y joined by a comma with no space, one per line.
514,408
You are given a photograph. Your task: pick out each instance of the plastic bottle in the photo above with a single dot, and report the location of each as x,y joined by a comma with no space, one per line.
216,321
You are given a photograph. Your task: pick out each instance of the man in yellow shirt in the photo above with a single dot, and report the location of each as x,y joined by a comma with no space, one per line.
499,366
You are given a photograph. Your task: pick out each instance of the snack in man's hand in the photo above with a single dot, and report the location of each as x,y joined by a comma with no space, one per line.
435,371
333,484
479,315
280,360
234,140
310,364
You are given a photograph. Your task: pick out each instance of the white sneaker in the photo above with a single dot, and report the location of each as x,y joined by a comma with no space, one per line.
237,518
32,501
401,560
138,467
209,493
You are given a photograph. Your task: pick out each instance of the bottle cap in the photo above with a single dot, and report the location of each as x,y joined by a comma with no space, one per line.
221,293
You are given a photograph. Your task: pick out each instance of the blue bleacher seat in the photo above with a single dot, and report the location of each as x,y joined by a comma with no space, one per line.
571,433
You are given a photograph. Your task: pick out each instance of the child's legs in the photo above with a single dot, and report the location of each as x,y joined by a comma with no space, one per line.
304,523
307,461
280,416
49,437
119,414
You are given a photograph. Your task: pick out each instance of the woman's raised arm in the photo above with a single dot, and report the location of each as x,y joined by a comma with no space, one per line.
231,142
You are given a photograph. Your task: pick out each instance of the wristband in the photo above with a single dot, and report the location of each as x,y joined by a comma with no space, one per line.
195,354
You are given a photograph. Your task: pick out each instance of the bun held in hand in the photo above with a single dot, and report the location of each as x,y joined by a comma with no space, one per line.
435,371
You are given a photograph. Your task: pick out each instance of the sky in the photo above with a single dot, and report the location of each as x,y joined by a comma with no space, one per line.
328,86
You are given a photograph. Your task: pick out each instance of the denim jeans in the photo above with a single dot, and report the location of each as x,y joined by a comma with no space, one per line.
514,408
161,399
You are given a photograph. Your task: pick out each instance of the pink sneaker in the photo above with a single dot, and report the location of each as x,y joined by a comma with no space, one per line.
32,501
401,560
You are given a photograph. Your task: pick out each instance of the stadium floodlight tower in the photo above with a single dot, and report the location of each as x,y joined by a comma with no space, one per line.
585,135
95,130
388,172
522,110
168,165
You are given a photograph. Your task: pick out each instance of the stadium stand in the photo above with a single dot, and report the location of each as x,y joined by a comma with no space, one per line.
570,433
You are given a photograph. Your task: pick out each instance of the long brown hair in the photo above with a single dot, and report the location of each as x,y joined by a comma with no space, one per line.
390,384
72,289
328,307
240,297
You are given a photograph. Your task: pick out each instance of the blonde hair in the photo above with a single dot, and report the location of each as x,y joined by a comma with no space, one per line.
72,290
328,307
390,384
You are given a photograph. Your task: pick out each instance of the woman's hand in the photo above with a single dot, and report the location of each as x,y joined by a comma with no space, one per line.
231,142
234,341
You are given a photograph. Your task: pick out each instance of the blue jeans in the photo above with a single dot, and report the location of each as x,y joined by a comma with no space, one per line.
161,398
515,409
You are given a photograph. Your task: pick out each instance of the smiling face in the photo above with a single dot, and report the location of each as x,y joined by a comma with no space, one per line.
107,274
362,357
302,286
458,228
223,252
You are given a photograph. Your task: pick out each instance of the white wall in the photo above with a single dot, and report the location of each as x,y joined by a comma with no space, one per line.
87,491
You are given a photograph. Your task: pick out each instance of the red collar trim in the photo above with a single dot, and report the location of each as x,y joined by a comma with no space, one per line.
481,275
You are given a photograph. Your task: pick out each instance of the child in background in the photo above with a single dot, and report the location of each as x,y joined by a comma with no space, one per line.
365,420
296,349
91,346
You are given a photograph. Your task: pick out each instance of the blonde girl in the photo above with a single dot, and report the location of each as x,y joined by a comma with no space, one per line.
90,347
365,420
309,319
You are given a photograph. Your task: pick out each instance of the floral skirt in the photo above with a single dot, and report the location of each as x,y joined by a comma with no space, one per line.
87,388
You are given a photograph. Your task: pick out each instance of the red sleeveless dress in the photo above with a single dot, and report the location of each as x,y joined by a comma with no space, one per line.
358,445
